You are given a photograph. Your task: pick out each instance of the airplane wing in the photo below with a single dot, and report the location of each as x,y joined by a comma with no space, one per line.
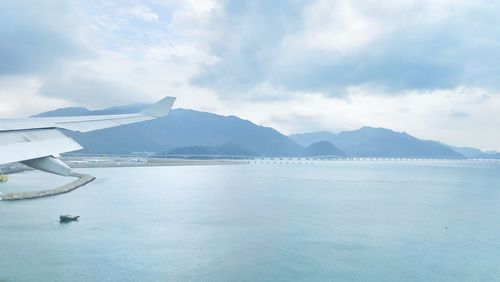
89,123
25,140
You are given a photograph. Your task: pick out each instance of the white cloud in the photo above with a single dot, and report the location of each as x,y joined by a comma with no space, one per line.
144,13
426,67
20,97
335,26
425,114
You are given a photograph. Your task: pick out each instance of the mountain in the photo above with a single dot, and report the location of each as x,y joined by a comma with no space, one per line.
468,152
192,132
80,111
306,139
71,111
182,128
235,150
487,155
323,148
473,153
380,142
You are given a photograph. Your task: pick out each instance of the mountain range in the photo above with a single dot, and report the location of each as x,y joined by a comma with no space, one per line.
182,131
382,142
379,142
189,132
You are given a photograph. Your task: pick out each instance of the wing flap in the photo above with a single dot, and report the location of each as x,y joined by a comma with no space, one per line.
89,123
18,146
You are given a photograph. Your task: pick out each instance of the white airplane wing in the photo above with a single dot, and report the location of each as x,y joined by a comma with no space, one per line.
32,140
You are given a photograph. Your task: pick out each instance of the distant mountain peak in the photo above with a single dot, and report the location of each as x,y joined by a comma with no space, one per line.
323,148
70,111
81,111
379,142
195,131
190,130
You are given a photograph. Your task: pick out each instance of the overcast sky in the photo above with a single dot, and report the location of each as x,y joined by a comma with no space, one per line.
430,68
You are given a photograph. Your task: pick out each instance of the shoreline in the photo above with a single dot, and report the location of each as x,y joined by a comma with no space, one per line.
102,162
82,180
143,161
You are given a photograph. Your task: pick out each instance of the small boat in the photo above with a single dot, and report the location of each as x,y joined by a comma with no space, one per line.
68,218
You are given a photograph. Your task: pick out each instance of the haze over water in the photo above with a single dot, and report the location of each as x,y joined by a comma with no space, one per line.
382,221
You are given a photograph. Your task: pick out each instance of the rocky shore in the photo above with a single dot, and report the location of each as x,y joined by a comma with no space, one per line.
82,180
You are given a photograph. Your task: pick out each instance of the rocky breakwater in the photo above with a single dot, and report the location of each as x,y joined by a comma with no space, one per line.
82,180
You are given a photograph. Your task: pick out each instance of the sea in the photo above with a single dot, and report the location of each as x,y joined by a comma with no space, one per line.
317,221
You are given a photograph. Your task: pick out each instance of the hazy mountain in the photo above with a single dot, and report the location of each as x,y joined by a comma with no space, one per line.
468,152
473,153
491,155
380,142
72,111
80,111
194,132
235,150
182,128
306,139
323,148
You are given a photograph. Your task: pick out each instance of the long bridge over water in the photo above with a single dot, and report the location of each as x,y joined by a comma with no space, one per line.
282,159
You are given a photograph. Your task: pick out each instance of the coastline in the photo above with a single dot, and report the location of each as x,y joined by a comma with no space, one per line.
100,162
96,162
82,180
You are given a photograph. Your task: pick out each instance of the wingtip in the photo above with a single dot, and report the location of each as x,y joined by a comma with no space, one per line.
160,108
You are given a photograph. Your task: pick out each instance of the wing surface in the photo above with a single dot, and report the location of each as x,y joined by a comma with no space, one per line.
31,144
89,123
32,138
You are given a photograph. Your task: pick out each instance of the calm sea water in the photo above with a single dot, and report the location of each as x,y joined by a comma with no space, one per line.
364,221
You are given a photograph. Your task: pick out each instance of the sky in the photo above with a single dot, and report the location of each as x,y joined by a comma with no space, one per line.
430,68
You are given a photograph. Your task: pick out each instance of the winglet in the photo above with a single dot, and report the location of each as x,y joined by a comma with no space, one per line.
160,108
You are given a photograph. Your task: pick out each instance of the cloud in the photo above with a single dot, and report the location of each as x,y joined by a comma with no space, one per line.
329,46
427,67
246,40
422,113
20,97
89,91
102,53
34,39
143,13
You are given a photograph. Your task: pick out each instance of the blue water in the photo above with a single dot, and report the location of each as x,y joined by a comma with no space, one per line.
361,221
